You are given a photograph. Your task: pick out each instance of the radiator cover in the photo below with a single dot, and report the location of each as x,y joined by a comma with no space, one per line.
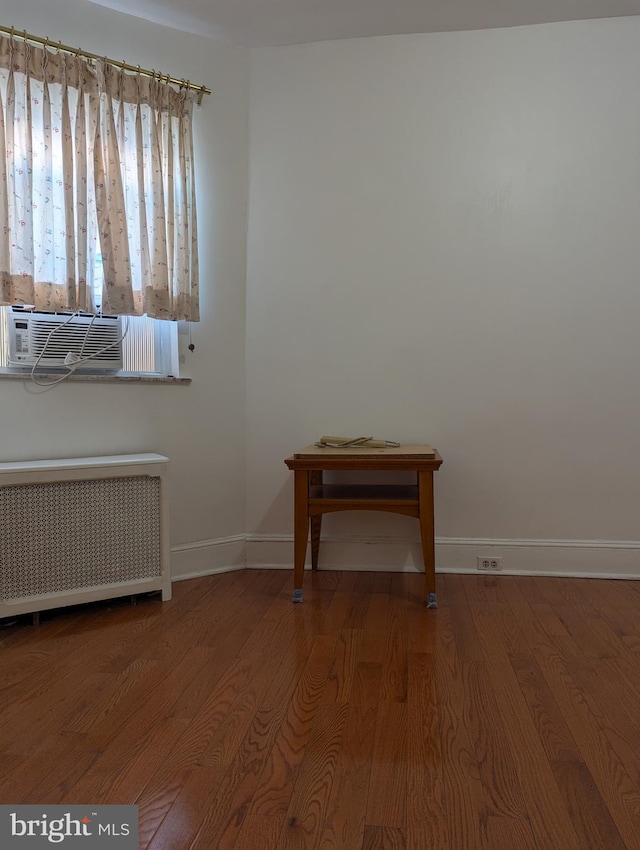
81,529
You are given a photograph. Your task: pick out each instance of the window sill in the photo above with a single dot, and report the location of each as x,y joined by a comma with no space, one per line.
84,377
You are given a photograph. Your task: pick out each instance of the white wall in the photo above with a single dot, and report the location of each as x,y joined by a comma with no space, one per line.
199,427
443,247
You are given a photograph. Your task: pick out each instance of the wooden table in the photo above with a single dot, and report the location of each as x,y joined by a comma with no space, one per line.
313,498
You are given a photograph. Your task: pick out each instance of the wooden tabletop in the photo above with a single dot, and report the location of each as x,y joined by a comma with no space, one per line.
416,457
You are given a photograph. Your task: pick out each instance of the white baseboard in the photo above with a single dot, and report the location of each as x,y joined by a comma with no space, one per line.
206,557
567,558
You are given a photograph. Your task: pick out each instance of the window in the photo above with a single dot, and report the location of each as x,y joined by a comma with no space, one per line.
97,203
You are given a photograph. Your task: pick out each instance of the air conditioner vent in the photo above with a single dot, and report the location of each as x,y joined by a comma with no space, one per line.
49,338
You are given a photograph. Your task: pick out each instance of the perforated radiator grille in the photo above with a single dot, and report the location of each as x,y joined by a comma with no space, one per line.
72,535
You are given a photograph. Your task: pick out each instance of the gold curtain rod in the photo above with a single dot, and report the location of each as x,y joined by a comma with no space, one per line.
166,78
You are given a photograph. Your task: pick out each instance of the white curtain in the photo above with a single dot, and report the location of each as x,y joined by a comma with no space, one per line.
97,202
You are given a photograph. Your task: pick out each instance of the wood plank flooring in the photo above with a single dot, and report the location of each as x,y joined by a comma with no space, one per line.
508,719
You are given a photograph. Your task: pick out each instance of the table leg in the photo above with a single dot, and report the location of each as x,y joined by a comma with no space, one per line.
427,534
316,525
300,530
315,479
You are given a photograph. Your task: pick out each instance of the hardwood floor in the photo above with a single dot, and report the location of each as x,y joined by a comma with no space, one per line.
508,719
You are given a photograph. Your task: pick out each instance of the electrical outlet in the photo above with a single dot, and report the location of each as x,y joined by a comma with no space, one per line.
490,565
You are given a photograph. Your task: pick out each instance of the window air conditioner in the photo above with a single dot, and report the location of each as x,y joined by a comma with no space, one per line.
54,340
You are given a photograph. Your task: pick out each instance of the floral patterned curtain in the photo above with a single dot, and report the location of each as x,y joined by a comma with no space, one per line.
97,188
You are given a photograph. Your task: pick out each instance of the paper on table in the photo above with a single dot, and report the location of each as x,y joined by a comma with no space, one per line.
355,442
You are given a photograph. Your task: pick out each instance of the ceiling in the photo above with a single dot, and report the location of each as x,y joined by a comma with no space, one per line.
259,23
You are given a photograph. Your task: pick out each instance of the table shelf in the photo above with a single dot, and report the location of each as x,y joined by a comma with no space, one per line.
404,493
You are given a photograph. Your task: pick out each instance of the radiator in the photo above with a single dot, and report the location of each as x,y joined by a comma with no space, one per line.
82,529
